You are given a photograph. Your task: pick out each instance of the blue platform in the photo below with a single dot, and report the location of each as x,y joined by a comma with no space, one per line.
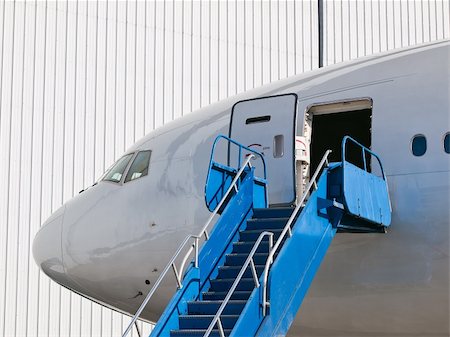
261,303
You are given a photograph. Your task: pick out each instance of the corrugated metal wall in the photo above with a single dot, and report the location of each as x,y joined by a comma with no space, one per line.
80,82
356,28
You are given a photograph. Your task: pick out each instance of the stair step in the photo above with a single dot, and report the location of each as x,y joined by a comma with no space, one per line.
253,235
274,212
211,307
225,284
266,223
197,333
238,259
201,313
233,271
247,246
220,295
203,321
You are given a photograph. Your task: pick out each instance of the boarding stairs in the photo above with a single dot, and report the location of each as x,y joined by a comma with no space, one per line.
252,267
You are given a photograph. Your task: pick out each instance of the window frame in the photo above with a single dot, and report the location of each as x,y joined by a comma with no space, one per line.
418,135
127,170
447,134
120,182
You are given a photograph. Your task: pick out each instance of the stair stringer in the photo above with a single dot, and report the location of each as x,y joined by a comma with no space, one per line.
212,254
293,270
226,231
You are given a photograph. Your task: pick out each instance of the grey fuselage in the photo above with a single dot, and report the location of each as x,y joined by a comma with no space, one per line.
106,241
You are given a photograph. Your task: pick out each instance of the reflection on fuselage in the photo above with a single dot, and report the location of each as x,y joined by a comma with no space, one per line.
109,240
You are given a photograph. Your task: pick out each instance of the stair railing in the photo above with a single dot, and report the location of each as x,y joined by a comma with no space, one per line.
288,228
364,150
248,261
241,149
194,247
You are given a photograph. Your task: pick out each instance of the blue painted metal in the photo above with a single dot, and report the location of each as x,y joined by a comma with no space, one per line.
226,231
220,176
341,187
365,195
251,193
169,319
293,270
211,255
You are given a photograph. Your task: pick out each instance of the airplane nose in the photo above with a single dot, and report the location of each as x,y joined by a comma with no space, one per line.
47,246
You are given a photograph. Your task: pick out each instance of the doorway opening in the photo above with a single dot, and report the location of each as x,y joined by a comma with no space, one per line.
331,122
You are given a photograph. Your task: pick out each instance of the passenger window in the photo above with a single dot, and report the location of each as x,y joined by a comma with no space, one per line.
419,145
116,171
447,142
139,167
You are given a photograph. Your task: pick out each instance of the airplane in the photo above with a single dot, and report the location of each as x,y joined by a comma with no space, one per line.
111,242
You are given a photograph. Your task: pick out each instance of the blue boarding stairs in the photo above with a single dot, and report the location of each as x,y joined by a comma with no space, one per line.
250,270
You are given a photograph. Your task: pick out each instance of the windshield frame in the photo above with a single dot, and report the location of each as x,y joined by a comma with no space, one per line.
124,173
133,159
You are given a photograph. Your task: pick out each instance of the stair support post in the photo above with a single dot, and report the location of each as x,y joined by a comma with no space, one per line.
177,277
255,275
288,230
220,327
196,252
270,246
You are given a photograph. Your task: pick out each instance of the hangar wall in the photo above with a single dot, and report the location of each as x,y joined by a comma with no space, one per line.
80,82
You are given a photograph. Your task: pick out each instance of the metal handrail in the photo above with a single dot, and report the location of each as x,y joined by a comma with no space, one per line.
240,146
287,228
233,186
364,149
171,264
248,261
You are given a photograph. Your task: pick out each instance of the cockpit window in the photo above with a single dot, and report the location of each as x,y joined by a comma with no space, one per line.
139,167
115,173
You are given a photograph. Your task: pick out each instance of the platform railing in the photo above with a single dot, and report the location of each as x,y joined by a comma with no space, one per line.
288,229
195,246
364,150
233,148
240,147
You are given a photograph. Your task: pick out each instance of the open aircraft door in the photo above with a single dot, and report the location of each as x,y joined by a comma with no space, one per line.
268,125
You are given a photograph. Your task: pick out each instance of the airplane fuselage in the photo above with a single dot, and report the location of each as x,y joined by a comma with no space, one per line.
115,238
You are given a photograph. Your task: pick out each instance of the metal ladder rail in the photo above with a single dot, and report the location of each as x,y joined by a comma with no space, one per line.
364,149
233,185
195,246
241,148
248,261
288,230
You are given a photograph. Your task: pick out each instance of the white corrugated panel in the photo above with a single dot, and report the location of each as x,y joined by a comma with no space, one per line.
358,28
80,82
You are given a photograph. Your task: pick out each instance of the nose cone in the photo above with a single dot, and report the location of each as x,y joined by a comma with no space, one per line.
47,246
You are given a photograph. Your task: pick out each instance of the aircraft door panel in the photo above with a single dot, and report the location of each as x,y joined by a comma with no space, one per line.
268,125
